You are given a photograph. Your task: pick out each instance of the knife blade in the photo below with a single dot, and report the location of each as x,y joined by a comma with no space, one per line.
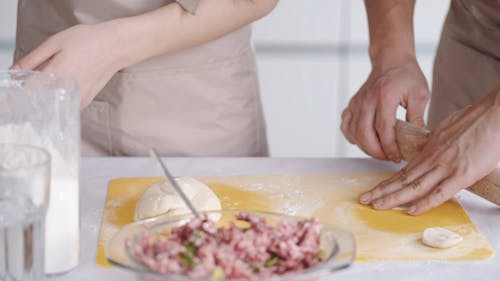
174,183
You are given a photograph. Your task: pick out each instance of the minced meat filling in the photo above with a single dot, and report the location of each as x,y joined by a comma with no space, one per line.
199,249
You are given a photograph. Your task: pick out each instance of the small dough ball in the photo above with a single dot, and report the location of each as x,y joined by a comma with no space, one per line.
438,237
162,199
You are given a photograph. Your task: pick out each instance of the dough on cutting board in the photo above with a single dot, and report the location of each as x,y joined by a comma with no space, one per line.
438,237
162,199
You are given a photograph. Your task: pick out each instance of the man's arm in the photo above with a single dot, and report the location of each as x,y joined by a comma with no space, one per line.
395,80
391,31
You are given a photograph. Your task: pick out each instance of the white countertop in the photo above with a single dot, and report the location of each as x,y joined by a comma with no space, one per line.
96,172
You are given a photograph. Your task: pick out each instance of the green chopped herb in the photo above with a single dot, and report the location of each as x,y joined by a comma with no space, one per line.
196,233
188,257
217,274
273,260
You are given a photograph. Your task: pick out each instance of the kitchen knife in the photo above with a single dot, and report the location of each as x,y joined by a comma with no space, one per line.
169,178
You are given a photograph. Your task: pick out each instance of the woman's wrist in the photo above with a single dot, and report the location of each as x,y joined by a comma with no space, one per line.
126,42
114,43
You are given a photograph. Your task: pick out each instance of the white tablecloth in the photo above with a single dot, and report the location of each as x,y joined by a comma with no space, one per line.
96,172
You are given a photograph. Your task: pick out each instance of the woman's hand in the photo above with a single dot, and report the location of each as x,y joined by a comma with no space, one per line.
463,149
370,118
88,53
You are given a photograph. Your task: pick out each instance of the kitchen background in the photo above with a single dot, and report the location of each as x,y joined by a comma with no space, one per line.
312,57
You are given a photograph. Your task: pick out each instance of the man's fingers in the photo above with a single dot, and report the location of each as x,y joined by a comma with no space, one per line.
38,56
415,108
385,187
345,127
414,190
440,194
366,135
395,183
385,122
358,129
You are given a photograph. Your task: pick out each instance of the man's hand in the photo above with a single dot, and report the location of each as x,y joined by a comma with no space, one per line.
84,52
395,80
462,150
369,119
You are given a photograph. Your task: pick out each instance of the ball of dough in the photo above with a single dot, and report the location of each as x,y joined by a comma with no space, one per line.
162,199
438,237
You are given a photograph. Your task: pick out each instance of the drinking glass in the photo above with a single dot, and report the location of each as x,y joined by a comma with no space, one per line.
43,110
24,195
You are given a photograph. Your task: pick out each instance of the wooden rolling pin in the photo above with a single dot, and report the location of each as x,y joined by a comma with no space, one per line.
411,140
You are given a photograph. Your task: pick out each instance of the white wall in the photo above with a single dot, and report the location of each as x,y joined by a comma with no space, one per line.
8,10
312,57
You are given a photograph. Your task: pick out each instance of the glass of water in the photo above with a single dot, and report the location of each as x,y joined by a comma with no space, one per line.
24,193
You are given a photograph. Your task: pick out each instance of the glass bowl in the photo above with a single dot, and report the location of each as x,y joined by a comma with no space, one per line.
338,245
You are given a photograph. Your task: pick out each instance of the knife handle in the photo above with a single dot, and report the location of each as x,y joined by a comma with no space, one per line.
411,140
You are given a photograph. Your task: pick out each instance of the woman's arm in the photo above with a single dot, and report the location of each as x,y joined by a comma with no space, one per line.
93,53
171,28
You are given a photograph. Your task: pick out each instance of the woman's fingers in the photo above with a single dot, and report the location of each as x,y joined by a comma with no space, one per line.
38,56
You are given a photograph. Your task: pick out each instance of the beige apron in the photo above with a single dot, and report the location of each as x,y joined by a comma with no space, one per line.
203,101
467,65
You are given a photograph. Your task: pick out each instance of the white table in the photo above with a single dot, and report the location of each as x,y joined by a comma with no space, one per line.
96,172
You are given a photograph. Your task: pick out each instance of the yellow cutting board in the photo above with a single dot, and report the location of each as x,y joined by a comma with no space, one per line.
380,235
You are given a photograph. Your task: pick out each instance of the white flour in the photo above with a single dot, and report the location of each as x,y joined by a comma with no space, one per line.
19,158
62,221
62,227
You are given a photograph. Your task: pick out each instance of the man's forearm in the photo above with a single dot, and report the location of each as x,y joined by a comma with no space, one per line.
391,31
171,28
